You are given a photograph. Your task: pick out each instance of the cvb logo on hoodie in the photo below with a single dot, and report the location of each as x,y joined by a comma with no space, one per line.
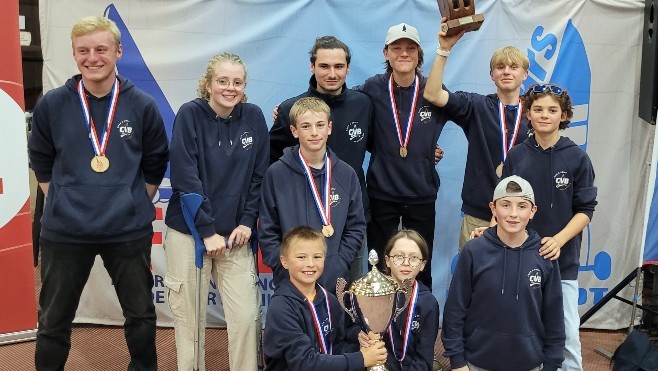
125,129
424,113
334,198
354,132
534,278
246,140
561,180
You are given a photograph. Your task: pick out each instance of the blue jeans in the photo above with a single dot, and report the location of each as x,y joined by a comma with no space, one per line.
65,268
573,360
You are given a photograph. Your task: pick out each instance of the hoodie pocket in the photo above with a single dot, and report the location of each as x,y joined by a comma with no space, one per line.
96,210
490,349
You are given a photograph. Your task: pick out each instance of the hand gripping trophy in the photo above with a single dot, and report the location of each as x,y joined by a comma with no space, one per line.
374,300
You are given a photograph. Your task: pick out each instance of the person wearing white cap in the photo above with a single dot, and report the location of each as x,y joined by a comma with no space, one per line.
402,181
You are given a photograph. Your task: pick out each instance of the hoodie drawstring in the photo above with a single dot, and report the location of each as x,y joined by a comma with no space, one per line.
502,289
518,277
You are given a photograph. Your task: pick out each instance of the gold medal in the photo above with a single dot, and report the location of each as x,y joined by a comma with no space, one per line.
403,151
100,164
328,230
499,170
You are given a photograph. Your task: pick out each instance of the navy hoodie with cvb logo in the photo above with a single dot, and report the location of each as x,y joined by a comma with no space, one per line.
84,206
287,202
504,307
224,160
290,341
562,178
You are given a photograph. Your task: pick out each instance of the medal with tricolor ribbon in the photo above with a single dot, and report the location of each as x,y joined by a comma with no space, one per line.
99,163
503,132
325,342
324,208
403,139
411,311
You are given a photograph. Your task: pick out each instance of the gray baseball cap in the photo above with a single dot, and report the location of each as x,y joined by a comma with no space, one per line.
526,189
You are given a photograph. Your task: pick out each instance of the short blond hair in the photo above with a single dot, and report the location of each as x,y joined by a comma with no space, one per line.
509,55
301,232
94,23
208,74
307,104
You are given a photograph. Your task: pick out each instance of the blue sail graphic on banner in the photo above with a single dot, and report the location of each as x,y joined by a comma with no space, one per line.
133,66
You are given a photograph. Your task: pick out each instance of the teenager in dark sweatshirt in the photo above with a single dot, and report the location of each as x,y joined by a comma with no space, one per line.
219,150
288,200
305,328
492,124
504,306
402,180
563,177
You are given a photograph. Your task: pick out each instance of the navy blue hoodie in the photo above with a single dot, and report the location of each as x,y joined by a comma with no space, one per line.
478,116
562,178
424,327
290,341
287,202
84,206
412,179
351,119
504,307
222,160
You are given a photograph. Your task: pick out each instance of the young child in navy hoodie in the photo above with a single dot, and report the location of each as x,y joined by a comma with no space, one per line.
504,306
563,177
310,185
410,338
305,327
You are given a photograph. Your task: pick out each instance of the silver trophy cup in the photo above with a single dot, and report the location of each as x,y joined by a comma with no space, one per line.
374,300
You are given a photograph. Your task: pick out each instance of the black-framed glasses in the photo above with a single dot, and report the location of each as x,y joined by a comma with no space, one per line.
414,261
540,88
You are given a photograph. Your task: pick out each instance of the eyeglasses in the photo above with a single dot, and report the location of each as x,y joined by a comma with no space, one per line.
540,88
224,84
414,261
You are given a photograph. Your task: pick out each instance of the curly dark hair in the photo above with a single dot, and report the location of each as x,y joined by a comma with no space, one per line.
560,95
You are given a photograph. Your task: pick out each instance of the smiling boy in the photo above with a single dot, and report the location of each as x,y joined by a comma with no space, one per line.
310,185
504,306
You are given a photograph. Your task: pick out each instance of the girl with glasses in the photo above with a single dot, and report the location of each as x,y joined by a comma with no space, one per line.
410,339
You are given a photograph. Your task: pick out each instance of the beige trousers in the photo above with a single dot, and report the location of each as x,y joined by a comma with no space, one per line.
469,223
237,283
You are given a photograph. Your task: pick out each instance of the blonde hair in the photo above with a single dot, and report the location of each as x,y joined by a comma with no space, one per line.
509,55
94,23
301,232
207,76
307,104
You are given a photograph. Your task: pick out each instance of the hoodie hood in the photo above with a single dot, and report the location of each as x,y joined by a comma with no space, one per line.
125,85
291,159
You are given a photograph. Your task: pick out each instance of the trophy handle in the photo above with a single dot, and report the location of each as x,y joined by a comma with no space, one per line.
340,295
404,290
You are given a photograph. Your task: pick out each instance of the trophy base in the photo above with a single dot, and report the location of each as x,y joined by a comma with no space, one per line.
378,368
470,23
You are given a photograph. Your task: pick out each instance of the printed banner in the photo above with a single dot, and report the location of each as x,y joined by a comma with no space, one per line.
591,48
18,317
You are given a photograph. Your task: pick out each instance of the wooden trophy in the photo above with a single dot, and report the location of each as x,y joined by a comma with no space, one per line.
461,16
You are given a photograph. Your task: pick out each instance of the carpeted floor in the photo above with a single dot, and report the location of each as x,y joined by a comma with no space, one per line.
103,348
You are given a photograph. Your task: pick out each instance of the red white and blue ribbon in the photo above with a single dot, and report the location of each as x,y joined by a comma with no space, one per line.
325,344
404,142
99,146
411,311
323,207
506,146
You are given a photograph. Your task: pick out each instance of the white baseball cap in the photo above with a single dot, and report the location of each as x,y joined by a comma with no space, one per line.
402,31
526,189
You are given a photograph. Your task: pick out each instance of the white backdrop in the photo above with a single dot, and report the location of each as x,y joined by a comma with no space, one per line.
592,48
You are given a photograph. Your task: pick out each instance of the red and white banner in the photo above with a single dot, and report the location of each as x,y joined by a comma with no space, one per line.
18,317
